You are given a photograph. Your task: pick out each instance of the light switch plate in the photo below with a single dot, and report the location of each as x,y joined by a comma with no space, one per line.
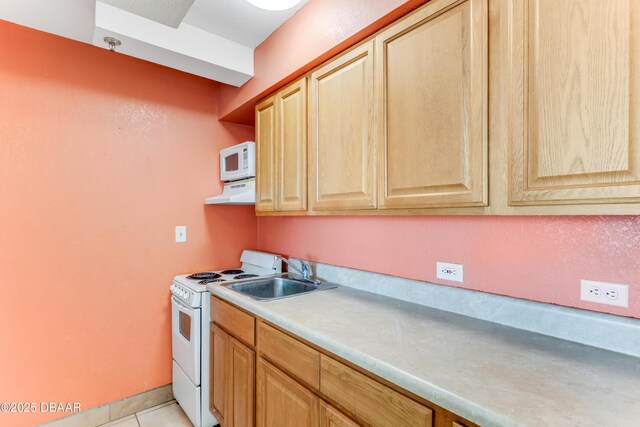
448,271
181,233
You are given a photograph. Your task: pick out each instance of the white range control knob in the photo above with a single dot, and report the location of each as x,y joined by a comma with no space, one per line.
186,295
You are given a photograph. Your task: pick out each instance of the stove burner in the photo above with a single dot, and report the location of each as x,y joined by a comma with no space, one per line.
204,282
232,272
205,275
245,276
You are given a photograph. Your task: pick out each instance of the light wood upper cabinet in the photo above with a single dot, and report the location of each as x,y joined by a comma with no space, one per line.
266,156
431,71
400,123
291,117
341,133
575,101
282,402
281,156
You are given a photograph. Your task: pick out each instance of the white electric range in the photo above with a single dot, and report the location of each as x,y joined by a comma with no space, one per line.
190,317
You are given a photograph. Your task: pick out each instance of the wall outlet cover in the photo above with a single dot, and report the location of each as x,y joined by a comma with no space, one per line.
448,271
604,293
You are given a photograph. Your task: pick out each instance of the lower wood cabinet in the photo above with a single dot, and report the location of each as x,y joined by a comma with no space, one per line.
243,380
218,373
233,380
282,402
285,382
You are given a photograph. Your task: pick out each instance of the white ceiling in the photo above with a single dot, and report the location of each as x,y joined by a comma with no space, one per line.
167,12
237,20
213,36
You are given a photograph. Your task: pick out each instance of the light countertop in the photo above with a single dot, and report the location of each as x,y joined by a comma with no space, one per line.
491,374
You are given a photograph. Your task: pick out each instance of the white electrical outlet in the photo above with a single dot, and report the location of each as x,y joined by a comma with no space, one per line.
604,293
181,233
447,271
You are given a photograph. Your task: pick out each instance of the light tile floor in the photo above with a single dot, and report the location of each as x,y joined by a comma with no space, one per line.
168,414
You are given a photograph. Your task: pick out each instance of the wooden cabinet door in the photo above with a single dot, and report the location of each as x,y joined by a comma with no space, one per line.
331,417
219,398
341,142
266,156
431,72
282,402
242,361
574,113
291,116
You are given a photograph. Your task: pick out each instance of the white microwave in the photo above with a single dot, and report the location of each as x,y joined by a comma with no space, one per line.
238,162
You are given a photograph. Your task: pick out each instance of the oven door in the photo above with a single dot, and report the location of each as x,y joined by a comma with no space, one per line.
186,338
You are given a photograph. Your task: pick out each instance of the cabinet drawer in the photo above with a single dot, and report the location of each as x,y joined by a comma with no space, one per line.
290,354
238,323
368,400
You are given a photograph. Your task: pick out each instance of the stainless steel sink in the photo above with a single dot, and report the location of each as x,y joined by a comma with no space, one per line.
277,287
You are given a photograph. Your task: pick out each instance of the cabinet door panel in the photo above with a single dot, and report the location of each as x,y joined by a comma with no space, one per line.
282,402
220,385
341,149
266,156
331,417
243,381
291,104
432,73
575,116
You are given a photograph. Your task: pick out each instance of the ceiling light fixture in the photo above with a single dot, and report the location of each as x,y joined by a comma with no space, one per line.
274,4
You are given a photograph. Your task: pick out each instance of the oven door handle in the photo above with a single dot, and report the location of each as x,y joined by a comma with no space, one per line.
182,305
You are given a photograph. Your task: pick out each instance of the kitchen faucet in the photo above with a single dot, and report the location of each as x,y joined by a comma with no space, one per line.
304,270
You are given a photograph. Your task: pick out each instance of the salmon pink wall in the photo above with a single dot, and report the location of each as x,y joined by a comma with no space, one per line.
318,31
537,258
101,156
